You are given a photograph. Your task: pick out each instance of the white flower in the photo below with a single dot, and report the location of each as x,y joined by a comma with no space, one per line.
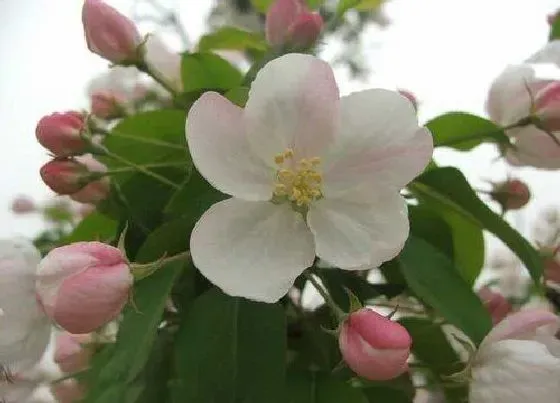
510,99
310,174
518,361
163,62
24,329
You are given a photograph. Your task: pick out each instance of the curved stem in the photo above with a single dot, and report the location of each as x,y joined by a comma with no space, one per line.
338,312
146,140
141,168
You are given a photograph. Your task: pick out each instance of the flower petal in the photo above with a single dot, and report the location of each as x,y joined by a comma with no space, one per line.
534,148
515,371
351,234
252,249
219,149
379,144
521,324
293,103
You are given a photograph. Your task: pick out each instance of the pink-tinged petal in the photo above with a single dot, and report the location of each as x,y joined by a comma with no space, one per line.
219,149
379,144
534,148
351,235
520,325
252,249
293,103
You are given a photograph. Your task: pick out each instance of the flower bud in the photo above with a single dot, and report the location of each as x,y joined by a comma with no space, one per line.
512,194
373,346
60,133
110,34
71,352
65,175
498,306
23,205
84,285
547,106
289,22
107,105
97,190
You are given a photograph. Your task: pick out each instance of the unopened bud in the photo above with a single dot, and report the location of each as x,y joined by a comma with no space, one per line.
373,346
96,190
290,22
84,285
60,133
107,105
65,175
110,34
23,205
512,194
498,306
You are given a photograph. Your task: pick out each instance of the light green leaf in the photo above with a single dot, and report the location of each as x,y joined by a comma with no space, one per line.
208,71
230,350
94,227
261,5
464,131
432,277
231,38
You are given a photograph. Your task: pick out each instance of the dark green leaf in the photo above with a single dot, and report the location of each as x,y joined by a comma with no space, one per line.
446,189
208,71
398,390
432,277
315,387
555,28
232,38
94,227
230,350
238,95
464,131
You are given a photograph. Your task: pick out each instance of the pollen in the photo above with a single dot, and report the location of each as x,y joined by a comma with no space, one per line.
299,182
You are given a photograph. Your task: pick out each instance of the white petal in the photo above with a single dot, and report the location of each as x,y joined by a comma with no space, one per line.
293,103
379,144
515,371
165,63
351,235
252,249
219,149
534,148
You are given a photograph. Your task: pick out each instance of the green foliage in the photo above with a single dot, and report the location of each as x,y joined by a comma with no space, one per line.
208,71
316,387
230,349
231,38
94,227
464,131
361,5
555,28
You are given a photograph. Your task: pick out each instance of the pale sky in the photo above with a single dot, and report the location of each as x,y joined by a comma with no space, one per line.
445,51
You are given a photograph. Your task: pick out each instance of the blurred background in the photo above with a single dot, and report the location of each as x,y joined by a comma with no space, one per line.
446,52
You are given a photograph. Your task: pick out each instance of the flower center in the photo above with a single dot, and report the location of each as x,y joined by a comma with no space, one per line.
298,182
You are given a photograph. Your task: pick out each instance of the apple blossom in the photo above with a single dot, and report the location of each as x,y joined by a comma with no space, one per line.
518,361
24,330
84,285
521,91
60,133
107,105
289,22
373,346
497,305
310,174
108,33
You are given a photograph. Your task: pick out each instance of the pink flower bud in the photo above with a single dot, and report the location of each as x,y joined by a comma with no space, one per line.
497,305
94,191
23,205
107,105
110,34
60,133
547,106
84,285
373,346
68,391
289,22
71,352
65,175
512,194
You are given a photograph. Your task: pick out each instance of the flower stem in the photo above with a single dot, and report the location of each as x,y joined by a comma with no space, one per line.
140,168
337,311
143,270
145,68
160,165
155,142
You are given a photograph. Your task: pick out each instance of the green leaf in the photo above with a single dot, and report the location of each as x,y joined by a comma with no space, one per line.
446,189
314,4
208,71
238,96
464,131
232,38
230,350
154,137
261,5
398,390
360,5
316,387
94,227
555,28
423,266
